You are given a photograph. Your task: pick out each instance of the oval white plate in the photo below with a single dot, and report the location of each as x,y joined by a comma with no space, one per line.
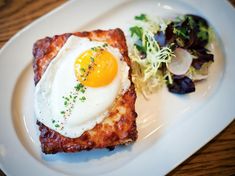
171,127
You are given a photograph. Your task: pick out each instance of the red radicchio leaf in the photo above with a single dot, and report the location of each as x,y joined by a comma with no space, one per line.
181,85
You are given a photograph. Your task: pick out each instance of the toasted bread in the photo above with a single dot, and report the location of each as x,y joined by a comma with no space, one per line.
117,128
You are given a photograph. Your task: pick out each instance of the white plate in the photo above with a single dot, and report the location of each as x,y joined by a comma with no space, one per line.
171,128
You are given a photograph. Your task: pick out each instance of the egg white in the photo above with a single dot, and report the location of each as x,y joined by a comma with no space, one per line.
59,79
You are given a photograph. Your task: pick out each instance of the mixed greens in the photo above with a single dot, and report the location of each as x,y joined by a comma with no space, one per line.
171,52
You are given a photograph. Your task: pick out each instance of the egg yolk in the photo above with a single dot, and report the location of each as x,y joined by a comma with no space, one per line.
96,68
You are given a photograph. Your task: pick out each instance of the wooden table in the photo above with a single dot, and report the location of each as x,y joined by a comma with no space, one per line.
215,158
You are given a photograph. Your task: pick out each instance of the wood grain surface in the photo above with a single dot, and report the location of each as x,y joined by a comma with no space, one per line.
215,158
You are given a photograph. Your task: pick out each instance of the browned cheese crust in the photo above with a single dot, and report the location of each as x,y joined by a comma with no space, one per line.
118,128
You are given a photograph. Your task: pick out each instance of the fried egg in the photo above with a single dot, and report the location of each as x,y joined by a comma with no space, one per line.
80,85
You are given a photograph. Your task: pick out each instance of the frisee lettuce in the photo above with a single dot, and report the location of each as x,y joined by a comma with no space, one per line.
147,75
151,48
141,17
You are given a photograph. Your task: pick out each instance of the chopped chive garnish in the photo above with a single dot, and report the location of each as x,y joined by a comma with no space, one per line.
83,90
92,59
82,98
53,121
105,45
71,99
82,70
57,125
93,49
78,87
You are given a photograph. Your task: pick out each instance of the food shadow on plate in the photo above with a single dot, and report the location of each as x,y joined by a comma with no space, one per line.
85,156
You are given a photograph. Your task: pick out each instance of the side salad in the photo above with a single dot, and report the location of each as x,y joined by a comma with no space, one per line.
172,52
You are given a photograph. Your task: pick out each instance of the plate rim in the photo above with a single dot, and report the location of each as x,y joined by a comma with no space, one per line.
228,6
